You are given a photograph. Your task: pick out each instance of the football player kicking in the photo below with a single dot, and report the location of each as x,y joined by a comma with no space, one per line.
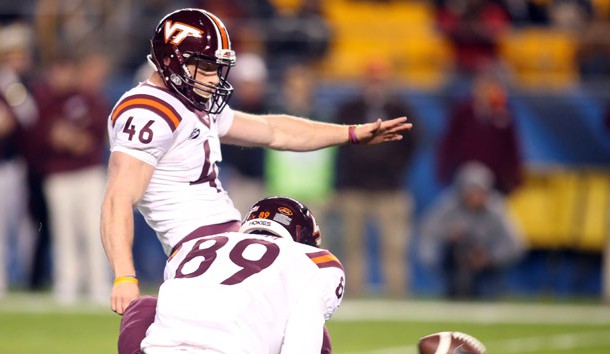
265,289
165,137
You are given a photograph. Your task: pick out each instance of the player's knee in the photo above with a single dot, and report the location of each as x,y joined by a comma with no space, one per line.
142,303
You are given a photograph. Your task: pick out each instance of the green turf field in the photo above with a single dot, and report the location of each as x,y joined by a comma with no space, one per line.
32,324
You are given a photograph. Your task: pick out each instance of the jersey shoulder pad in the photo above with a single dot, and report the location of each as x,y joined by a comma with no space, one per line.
160,107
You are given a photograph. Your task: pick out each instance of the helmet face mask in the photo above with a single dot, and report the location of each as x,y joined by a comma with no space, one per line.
198,38
205,96
284,217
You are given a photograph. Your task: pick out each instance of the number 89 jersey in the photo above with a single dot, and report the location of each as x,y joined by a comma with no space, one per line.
244,293
152,125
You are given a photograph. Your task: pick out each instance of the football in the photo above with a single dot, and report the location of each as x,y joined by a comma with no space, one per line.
450,343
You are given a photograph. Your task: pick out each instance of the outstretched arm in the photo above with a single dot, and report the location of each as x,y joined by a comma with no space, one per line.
284,132
128,178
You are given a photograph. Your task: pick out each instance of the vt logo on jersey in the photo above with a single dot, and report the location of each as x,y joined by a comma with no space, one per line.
179,31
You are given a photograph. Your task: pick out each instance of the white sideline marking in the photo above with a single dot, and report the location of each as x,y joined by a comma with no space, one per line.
522,345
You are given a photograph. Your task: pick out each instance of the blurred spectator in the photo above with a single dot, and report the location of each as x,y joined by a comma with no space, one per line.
235,11
19,112
528,12
607,118
13,11
94,70
606,251
571,15
470,236
482,127
306,176
71,136
474,28
8,127
302,37
245,182
75,25
371,185
593,52
560,14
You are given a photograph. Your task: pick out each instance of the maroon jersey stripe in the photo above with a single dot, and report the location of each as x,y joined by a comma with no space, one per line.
163,109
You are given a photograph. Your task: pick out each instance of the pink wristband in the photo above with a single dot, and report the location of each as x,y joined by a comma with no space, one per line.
352,134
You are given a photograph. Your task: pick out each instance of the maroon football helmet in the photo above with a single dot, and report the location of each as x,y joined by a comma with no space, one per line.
194,36
284,217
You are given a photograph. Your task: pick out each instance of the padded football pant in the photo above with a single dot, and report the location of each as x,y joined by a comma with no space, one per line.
140,314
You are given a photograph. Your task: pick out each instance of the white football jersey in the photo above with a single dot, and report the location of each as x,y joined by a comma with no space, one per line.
242,293
151,124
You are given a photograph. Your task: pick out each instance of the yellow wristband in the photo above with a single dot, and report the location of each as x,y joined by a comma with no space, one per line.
125,279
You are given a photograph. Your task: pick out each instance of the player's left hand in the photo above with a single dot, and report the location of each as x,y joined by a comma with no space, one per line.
382,131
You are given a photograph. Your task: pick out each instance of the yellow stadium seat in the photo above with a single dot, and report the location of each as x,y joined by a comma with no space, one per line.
594,213
563,208
424,59
402,32
541,58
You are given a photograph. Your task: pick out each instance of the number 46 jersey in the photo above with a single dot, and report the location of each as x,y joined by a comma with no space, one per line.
152,125
245,293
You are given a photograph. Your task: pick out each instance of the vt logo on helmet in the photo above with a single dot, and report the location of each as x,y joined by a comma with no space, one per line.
194,37
178,32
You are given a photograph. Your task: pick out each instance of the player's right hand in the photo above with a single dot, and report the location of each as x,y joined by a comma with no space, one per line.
122,295
382,131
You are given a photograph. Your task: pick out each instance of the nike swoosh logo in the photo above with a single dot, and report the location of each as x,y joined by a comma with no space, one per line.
194,133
